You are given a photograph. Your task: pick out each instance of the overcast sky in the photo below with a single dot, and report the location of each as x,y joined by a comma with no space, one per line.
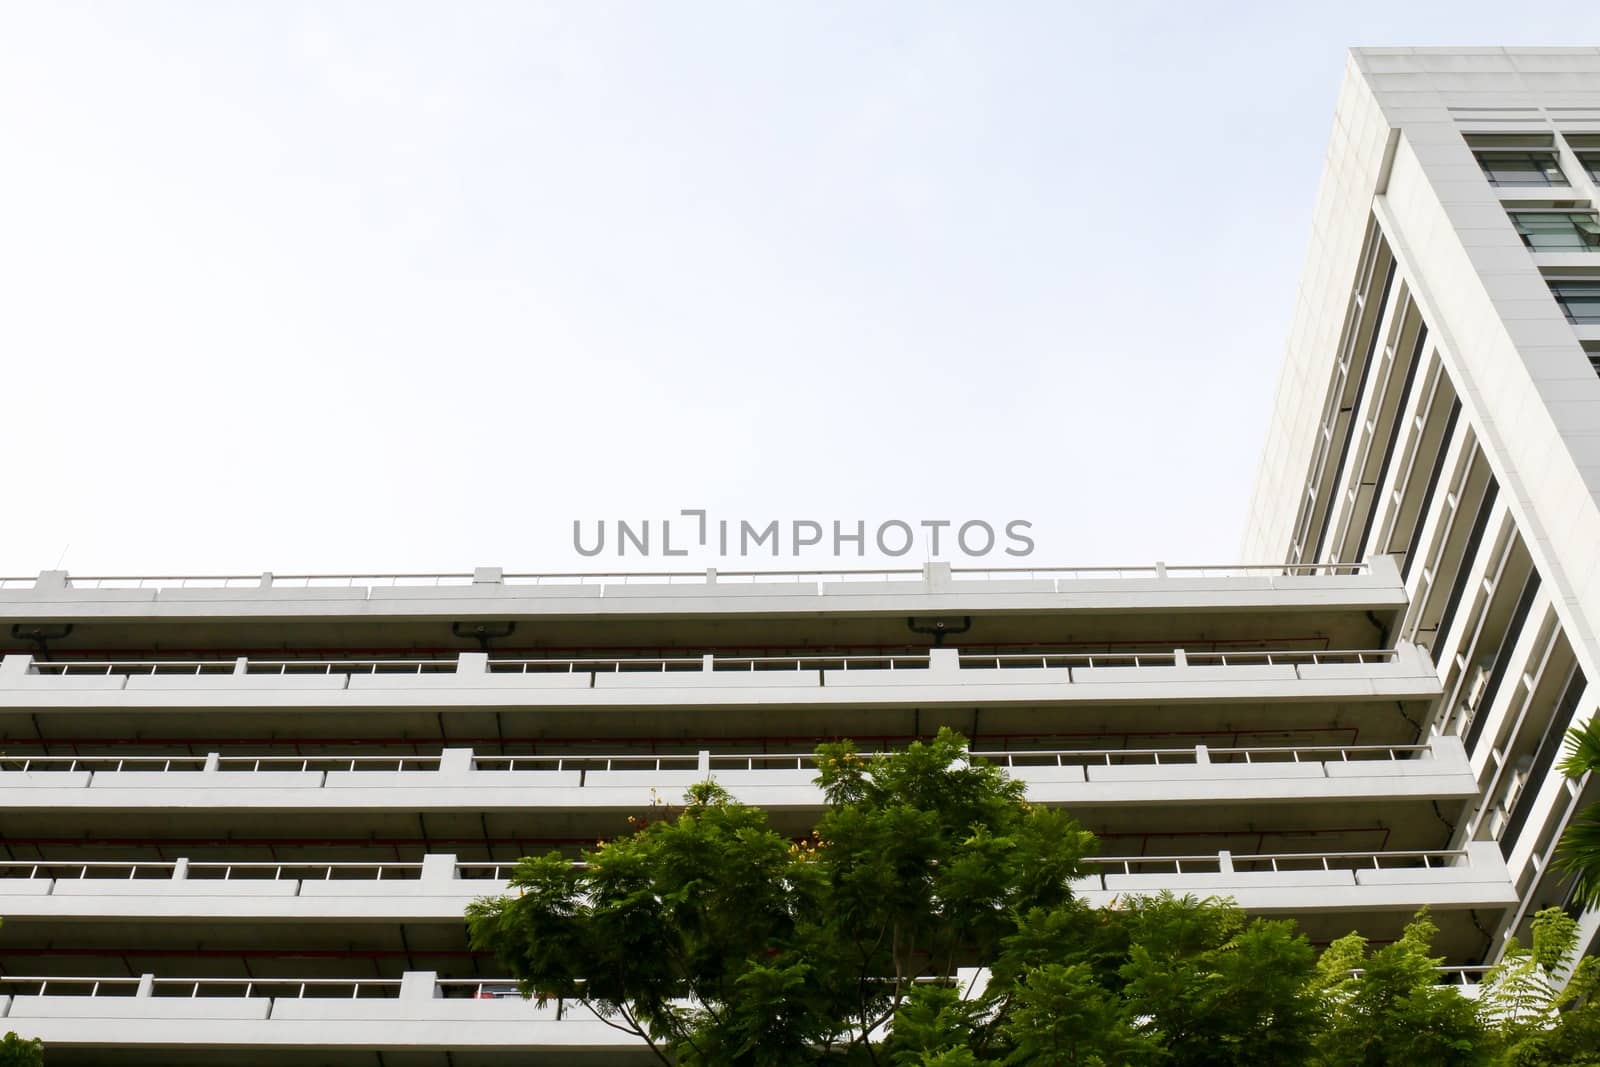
412,287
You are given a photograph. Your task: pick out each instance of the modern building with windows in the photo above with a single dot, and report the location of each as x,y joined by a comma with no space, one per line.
1439,406
242,815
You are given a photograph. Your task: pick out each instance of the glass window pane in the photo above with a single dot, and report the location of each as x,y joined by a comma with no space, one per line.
1521,168
1558,231
1579,299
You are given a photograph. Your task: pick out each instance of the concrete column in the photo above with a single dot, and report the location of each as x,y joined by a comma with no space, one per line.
51,581
15,666
488,576
455,761
1588,926
472,663
944,660
419,985
180,869
147,986
438,869
1385,569
936,576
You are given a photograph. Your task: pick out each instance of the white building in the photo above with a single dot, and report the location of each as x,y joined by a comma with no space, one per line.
241,817
1438,404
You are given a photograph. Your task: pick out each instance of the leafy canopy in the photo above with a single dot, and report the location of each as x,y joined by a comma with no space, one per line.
720,941
929,921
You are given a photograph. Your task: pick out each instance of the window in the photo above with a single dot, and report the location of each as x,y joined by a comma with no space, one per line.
1586,146
1580,299
1521,168
1558,231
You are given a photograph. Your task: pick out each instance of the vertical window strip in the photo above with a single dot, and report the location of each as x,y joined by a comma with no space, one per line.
1468,554
1394,437
1555,731
1502,659
1432,487
1355,410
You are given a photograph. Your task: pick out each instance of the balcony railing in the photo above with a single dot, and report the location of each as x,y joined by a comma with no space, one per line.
1020,760
137,870
499,870
122,986
821,664
1098,660
195,988
486,581
1023,759
179,871
198,668
226,764
1280,862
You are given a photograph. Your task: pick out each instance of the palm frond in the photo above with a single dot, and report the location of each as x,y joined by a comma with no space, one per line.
1579,855
1582,752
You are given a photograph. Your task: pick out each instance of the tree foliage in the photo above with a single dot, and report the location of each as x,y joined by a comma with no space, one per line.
1216,989
1541,1020
929,921
18,1051
1579,851
1387,1006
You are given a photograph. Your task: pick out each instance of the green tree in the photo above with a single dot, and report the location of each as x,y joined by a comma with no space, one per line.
928,921
1215,988
1579,851
21,1051
1389,1008
1541,1021
1521,995
719,941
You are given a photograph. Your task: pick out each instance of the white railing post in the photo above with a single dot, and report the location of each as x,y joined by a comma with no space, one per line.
147,986
1202,756
51,582
1225,862
180,869
241,665
14,666
704,767
944,660
1180,658
488,576
1161,569
936,576
708,663
213,762
472,663
266,579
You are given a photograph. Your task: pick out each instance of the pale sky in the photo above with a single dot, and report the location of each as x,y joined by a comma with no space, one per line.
371,287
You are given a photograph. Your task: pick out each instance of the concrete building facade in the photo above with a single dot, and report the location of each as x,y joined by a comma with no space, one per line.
242,815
